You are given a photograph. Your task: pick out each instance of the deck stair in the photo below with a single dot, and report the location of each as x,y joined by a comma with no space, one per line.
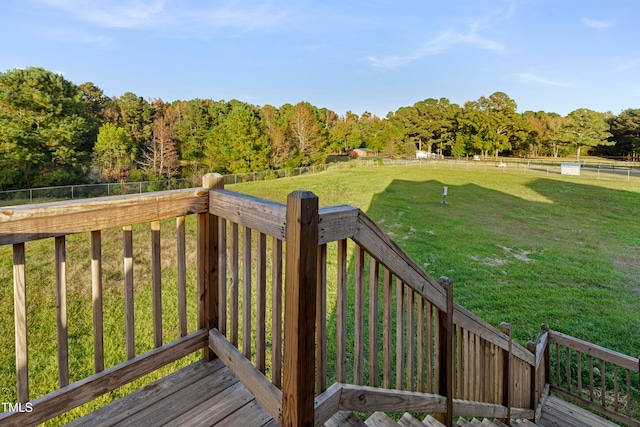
380,419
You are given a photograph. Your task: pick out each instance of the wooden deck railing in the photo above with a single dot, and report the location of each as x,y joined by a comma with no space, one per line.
314,309
590,375
23,224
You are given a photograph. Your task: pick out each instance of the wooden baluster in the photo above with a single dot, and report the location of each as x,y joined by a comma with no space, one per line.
591,378
96,296
61,311
420,346
615,388
321,321
300,305
429,347
222,276
127,238
181,249
603,383
341,315
410,359
568,367
400,308
234,286
373,322
246,294
386,329
507,371
261,304
156,280
276,311
459,363
358,340
20,315
579,372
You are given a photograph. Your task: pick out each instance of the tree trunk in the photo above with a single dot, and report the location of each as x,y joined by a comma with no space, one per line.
578,153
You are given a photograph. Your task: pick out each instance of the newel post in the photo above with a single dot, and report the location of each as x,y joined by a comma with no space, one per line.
207,264
299,309
446,353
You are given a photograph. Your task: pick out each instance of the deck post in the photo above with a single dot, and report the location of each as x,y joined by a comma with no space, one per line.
446,353
299,310
207,264
506,329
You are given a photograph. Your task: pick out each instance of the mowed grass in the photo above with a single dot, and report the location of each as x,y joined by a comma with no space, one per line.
520,248
523,249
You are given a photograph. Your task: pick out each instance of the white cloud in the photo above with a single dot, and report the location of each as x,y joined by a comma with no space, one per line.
598,24
445,40
535,79
187,17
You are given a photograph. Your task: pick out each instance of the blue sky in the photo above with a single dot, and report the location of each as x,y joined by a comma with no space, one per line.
375,55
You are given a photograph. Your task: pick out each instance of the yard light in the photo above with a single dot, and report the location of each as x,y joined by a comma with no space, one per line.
445,190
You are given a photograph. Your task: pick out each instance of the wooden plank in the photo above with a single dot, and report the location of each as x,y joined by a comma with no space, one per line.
429,348
214,409
39,221
269,396
387,345
261,215
222,276
321,321
344,418
594,350
96,300
368,399
400,309
61,311
341,313
127,243
249,415
300,294
466,369
20,322
420,346
87,389
181,249
358,323
246,293
154,394
374,275
156,280
410,357
234,286
560,412
186,399
261,304
380,419
276,312
327,404
458,348
336,223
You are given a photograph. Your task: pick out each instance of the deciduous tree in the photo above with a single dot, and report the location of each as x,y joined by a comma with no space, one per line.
585,127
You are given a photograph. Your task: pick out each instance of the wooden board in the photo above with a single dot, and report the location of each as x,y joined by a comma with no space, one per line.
39,221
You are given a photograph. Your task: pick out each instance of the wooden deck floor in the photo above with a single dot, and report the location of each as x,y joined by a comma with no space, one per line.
208,394
201,394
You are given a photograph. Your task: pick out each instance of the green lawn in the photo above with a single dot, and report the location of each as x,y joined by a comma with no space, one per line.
520,248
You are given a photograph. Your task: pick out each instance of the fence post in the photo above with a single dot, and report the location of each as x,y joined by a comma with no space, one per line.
446,353
299,309
207,264
506,329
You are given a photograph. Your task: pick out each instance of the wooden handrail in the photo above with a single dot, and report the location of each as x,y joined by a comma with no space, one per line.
24,223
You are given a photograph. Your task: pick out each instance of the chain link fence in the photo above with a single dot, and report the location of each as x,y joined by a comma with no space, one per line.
628,171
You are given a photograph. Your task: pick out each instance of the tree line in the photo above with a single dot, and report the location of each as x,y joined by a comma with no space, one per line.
54,132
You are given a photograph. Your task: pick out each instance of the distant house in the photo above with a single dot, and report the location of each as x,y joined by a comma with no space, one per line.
362,152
